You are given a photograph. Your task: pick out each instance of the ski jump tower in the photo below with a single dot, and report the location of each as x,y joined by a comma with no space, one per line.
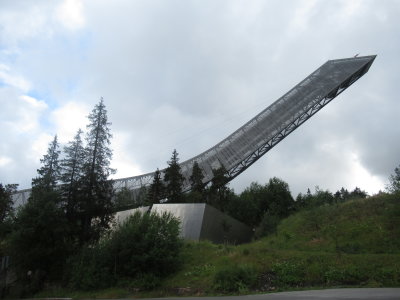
246,145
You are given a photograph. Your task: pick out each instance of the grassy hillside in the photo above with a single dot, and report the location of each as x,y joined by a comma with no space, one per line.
370,225
356,243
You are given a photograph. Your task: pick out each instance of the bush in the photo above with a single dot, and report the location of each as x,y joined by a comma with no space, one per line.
236,278
144,246
289,273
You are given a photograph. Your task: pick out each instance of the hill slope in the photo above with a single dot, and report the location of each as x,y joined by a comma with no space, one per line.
356,243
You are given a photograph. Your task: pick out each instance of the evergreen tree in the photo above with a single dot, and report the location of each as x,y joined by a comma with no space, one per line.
196,179
174,180
97,190
49,173
6,208
394,181
40,241
218,194
6,201
71,175
357,193
156,190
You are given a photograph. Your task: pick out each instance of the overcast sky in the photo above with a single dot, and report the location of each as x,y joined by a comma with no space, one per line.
185,74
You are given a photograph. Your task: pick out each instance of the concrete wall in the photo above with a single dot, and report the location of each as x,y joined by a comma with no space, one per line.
190,215
200,221
121,216
218,227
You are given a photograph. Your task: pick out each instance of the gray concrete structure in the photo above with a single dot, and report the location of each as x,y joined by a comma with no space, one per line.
200,221
121,216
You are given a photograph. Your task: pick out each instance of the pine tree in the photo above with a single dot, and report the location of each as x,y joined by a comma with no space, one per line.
174,180
6,202
39,241
71,174
6,209
157,189
49,173
219,191
196,179
394,181
97,190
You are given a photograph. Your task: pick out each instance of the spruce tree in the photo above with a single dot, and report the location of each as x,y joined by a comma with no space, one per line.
196,179
39,241
174,179
6,201
49,173
97,190
71,174
156,190
6,208
219,191
394,181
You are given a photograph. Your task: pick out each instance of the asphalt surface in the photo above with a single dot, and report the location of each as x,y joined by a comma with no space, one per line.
348,294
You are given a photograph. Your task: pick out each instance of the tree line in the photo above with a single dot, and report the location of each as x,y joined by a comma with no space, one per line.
70,205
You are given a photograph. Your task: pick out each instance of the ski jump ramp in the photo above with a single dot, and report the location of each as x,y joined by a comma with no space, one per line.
247,144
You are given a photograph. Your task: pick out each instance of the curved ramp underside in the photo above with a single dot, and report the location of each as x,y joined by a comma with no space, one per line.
242,148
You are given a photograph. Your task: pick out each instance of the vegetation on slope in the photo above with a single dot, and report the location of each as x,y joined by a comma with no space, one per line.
349,244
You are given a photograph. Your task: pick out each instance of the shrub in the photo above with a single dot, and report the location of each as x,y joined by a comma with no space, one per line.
289,273
236,278
144,246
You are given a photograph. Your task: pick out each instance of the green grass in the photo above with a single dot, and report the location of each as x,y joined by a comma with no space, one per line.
356,243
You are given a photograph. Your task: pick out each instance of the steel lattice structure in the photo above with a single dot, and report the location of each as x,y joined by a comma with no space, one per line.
246,145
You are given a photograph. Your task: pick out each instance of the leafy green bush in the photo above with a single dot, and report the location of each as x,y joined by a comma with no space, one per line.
236,278
142,249
289,273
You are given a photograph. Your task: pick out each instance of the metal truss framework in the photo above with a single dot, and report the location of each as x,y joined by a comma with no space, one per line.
246,145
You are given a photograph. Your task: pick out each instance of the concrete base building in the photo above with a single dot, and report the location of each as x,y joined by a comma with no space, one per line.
200,221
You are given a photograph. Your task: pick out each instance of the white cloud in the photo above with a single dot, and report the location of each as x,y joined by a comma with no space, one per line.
71,15
123,161
68,119
4,161
39,146
361,177
28,113
13,80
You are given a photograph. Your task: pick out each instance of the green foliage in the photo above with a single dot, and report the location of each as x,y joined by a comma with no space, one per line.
219,194
174,180
235,278
290,272
280,200
263,206
96,202
394,181
268,225
144,248
196,179
250,206
71,176
367,225
39,241
6,208
49,172
92,268
156,189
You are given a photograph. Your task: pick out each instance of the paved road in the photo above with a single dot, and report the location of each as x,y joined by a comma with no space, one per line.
330,294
